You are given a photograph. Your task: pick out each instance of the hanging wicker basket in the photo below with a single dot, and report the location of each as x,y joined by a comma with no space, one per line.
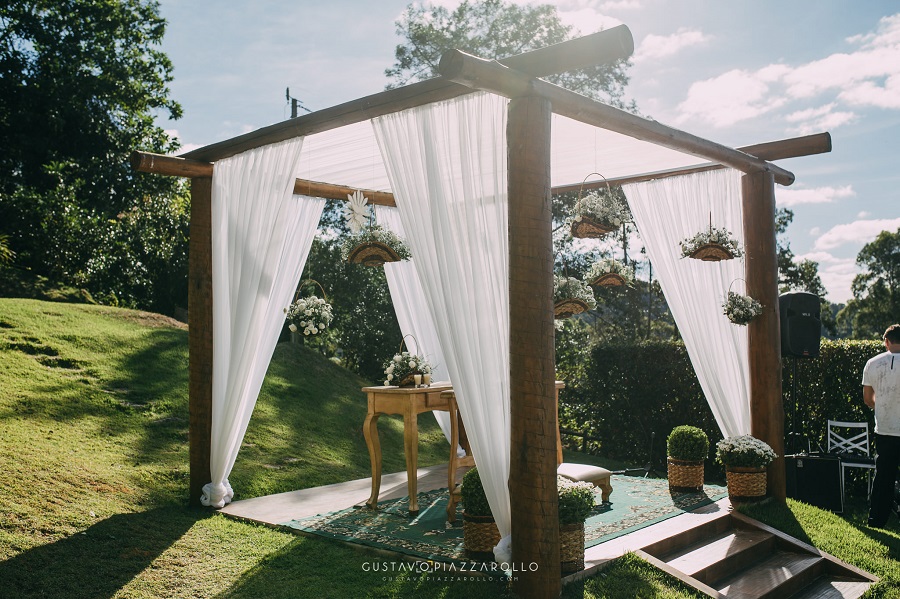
569,307
480,536
610,279
587,227
324,315
685,475
372,253
745,484
711,252
571,547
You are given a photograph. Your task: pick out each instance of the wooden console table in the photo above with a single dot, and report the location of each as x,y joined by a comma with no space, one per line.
408,402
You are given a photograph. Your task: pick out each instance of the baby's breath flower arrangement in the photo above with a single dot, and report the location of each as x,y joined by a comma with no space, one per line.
717,236
401,369
309,315
571,296
375,234
601,207
609,272
741,309
744,451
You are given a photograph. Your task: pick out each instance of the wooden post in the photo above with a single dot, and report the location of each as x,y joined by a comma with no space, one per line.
761,273
200,338
533,428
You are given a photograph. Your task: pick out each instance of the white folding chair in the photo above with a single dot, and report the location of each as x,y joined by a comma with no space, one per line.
850,441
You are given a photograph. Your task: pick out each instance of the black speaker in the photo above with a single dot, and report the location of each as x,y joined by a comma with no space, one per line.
816,480
801,325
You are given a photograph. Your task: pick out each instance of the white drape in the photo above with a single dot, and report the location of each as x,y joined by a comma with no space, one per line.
447,166
411,307
667,211
261,236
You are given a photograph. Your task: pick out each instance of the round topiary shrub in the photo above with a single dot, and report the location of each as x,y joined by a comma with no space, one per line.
576,500
688,443
473,498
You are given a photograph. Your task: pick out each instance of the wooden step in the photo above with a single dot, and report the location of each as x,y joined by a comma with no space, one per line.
779,576
716,558
692,536
834,588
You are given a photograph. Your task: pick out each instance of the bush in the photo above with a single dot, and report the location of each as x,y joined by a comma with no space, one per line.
688,443
473,498
576,500
744,452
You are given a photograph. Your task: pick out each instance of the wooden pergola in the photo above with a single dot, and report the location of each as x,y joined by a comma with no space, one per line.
532,482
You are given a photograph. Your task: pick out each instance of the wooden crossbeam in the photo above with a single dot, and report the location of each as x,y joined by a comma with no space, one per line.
486,75
604,47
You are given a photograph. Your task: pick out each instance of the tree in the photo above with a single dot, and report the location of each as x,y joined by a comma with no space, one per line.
494,29
876,291
80,84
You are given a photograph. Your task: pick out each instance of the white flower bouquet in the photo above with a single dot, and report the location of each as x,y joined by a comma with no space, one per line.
597,213
741,309
609,272
402,368
571,296
714,236
744,451
388,245
309,315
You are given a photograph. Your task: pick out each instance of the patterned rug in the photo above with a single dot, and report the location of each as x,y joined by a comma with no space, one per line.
635,503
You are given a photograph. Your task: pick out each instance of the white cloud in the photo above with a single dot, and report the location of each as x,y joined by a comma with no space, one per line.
857,232
814,232
184,147
864,214
836,274
727,99
655,47
787,197
868,76
621,5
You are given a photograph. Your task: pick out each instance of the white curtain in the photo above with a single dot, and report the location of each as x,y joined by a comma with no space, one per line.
667,211
447,167
411,307
261,235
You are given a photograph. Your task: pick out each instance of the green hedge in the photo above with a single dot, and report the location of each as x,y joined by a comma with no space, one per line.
624,393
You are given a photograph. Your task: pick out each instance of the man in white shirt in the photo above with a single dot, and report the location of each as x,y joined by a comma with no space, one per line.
881,391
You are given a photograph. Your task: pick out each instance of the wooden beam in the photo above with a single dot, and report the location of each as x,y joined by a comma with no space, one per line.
609,46
533,426
174,166
485,75
761,275
200,337
795,147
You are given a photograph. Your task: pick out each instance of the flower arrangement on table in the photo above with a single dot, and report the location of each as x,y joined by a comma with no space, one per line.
609,272
373,246
571,296
309,315
403,367
741,309
744,451
598,213
714,244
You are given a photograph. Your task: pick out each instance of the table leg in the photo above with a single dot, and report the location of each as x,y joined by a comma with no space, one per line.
451,465
411,443
370,432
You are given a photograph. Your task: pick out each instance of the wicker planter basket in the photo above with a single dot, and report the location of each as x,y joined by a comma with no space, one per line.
711,252
685,475
610,279
569,307
372,253
745,484
480,536
588,228
571,547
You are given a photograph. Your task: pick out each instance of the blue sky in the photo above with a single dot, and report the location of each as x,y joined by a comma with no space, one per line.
734,72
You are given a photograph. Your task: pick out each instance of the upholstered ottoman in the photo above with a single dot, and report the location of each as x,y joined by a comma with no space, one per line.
595,475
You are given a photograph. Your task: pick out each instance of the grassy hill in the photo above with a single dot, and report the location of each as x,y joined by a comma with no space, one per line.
93,475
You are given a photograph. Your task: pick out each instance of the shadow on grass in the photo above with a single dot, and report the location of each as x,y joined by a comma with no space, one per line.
98,562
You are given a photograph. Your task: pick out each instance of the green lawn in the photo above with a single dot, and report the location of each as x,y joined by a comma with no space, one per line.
93,474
